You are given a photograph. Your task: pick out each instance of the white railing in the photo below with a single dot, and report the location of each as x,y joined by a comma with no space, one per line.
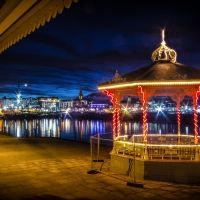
164,147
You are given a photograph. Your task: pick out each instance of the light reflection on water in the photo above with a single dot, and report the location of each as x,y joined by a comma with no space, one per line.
81,130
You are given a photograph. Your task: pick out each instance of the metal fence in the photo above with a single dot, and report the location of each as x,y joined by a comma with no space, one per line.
101,146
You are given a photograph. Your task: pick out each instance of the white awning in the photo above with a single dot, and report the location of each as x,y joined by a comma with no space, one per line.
21,17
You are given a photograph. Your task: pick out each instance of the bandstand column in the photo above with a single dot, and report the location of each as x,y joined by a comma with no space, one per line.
179,120
195,107
118,129
178,99
115,100
144,100
116,114
114,119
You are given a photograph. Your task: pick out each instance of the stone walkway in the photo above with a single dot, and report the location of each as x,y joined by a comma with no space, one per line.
50,168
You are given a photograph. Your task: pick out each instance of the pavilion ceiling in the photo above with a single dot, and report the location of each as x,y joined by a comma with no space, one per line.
19,18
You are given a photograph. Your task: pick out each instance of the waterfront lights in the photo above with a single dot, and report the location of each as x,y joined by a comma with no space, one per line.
159,109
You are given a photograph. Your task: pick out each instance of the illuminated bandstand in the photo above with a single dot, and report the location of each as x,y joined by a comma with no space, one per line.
166,157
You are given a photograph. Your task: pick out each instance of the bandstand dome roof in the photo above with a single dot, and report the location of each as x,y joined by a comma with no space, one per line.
164,70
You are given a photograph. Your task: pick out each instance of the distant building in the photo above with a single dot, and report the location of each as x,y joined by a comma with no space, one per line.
80,96
64,104
49,103
98,101
80,101
7,103
31,103
13,103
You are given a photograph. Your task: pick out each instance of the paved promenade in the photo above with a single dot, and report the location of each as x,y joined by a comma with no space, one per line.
50,168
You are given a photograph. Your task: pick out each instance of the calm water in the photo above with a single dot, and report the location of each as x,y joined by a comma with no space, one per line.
81,130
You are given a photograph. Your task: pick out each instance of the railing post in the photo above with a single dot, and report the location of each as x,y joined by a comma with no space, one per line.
134,159
98,146
91,152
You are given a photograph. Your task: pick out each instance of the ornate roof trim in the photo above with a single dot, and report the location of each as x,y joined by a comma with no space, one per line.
164,52
35,16
117,78
150,83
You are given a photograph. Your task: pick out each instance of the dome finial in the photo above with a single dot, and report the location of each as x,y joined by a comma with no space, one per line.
163,43
164,52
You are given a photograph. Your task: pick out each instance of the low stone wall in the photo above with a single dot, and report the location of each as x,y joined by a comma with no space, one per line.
171,171
181,172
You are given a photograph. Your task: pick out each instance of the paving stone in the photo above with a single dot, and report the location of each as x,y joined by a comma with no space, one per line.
158,191
41,184
117,194
170,196
96,185
36,176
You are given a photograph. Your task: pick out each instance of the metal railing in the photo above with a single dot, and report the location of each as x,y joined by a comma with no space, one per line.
101,146
167,147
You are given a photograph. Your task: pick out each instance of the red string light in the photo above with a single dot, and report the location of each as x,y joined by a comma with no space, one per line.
110,94
178,116
144,114
196,117
118,120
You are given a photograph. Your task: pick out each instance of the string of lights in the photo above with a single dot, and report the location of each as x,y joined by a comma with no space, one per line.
118,119
144,113
111,94
196,117
178,119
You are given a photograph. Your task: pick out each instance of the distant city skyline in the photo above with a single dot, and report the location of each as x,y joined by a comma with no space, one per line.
86,44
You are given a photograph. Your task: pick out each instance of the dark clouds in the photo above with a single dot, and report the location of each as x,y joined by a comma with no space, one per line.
86,44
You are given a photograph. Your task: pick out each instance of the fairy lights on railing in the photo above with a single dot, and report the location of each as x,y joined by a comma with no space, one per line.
163,151
144,114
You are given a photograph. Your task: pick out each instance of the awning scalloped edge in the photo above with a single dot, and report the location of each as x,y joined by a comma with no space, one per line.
42,16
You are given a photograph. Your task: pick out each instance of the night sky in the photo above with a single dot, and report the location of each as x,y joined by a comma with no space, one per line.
85,45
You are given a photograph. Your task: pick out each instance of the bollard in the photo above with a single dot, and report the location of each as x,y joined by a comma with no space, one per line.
35,132
50,132
9,130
